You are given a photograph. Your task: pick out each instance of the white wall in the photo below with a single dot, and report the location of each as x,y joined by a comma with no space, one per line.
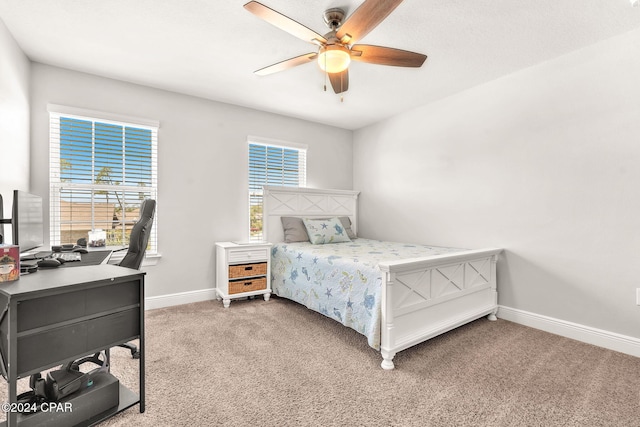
202,162
544,163
14,120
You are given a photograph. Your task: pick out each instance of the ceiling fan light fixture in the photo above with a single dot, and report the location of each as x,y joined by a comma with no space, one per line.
334,58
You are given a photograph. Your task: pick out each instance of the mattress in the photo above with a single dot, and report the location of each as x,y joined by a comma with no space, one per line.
341,280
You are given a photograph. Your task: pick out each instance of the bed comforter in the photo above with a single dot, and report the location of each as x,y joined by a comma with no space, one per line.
341,280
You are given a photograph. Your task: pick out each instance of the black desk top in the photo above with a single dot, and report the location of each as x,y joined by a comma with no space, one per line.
46,280
90,258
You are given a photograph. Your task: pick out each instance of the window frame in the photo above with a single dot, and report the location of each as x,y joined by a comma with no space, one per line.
302,150
56,185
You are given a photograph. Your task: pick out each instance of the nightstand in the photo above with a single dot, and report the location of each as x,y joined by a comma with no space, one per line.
242,270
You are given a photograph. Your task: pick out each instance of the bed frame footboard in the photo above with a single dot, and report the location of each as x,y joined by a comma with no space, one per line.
425,297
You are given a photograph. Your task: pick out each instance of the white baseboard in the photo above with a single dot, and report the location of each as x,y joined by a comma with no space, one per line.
179,298
587,334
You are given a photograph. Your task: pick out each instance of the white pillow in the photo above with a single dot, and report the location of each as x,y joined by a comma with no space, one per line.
322,231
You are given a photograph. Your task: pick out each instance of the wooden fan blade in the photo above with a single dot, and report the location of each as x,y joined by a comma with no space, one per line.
284,23
286,64
365,18
386,56
340,81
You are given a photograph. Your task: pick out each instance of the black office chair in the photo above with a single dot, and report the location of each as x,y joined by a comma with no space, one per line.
137,247
139,236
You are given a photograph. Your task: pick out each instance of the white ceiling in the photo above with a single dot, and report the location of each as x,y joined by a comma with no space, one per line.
210,48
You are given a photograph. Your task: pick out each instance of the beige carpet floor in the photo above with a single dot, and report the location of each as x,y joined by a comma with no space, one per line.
278,364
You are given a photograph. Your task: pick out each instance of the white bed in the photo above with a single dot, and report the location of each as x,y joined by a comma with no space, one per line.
420,297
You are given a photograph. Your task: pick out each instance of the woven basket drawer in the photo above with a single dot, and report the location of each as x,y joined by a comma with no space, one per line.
239,286
247,270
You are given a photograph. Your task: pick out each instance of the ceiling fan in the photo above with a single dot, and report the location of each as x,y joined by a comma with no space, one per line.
337,48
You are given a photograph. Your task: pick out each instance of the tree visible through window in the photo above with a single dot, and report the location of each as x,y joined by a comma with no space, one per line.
100,173
271,164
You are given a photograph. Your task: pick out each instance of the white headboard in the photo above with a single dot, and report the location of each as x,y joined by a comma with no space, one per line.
307,203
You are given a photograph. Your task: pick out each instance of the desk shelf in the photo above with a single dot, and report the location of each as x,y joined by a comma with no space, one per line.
127,400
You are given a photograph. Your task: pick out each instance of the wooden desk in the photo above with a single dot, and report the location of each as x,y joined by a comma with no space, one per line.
54,316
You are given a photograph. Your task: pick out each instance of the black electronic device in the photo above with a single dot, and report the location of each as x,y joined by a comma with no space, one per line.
84,394
90,401
28,267
65,381
67,256
36,395
69,379
69,248
49,263
27,222
61,383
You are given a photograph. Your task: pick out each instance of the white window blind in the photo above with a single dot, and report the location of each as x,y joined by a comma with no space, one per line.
271,164
100,171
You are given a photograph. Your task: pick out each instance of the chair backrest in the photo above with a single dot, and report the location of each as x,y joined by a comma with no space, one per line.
140,236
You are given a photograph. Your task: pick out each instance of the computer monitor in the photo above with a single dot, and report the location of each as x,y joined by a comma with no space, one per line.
3,221
27,224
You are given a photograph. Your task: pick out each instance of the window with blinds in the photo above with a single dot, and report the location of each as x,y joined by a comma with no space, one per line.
271,164
100,171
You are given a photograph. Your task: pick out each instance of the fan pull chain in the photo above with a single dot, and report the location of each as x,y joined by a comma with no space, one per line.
341,91
326,73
